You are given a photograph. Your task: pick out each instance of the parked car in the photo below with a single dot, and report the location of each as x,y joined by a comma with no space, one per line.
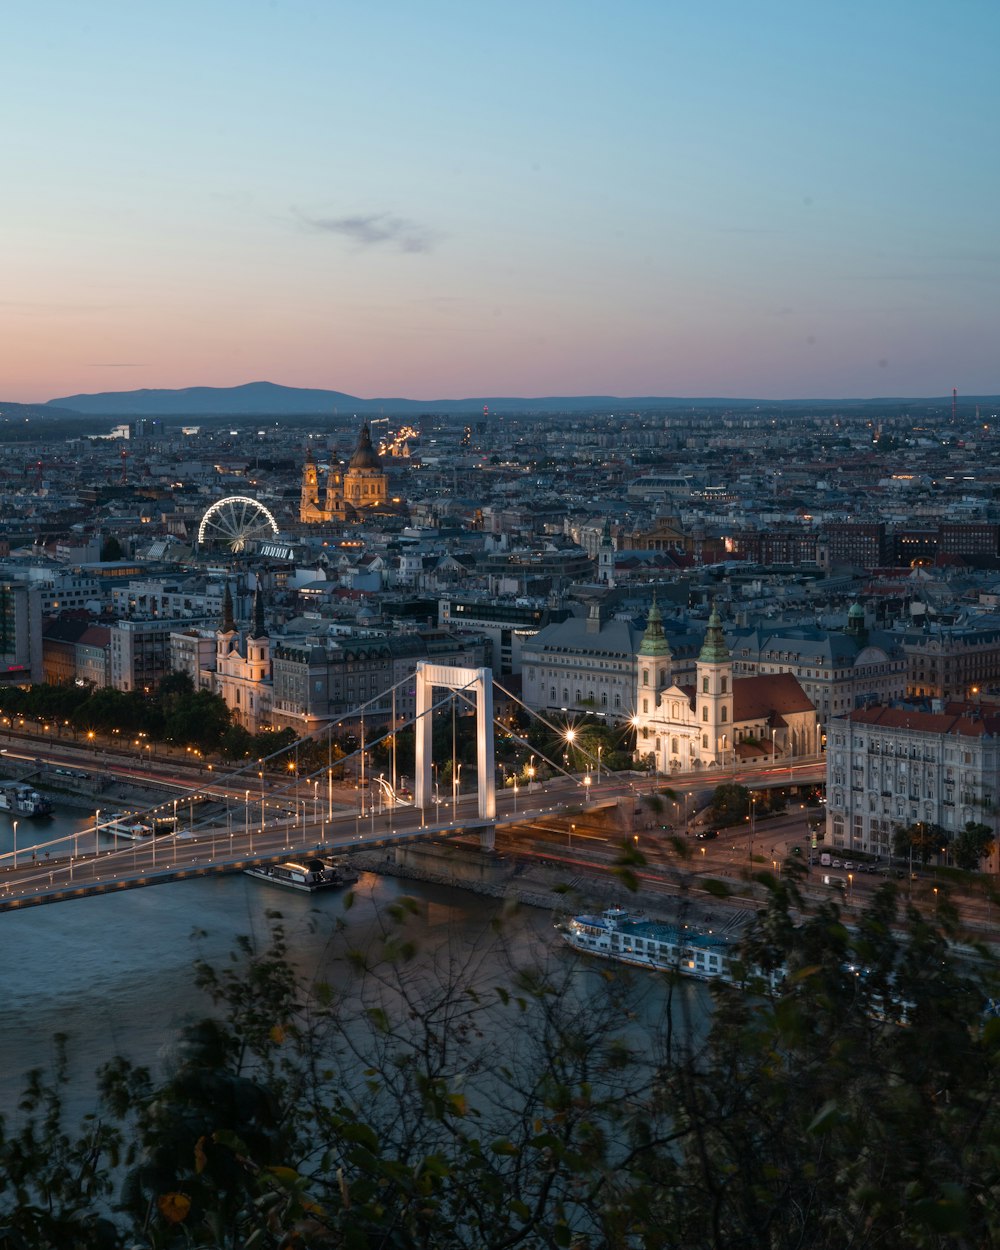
706,835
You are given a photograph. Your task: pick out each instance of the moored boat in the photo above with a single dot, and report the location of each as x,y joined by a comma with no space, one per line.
124,825
618,935
308,875
20,799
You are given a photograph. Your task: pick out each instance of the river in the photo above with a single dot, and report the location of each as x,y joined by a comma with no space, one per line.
114,972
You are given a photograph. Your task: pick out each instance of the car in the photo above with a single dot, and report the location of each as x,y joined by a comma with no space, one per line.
849,863
706,835
837,863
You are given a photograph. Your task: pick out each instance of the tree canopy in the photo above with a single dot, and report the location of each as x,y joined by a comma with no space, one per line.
856,1104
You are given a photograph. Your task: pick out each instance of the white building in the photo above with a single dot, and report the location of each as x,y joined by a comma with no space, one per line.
896,766
243,678
720,718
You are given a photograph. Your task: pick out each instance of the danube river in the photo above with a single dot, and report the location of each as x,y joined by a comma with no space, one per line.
115,972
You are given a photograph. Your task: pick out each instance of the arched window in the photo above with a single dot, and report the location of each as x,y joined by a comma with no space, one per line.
673,745
704,741
724,715
645,676
704,713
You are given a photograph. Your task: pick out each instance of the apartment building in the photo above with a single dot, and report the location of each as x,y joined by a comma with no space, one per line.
891,766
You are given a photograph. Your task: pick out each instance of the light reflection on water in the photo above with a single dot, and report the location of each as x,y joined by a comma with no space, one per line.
115,972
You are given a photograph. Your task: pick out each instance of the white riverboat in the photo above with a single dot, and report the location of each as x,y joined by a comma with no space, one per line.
618,935
124,825
20,799
309,875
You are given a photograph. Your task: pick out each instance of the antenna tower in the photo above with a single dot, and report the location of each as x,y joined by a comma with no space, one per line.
954,404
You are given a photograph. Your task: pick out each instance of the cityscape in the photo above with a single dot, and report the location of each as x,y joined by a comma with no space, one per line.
499,627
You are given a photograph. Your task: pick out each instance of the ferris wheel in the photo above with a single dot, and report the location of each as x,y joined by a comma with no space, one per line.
236,521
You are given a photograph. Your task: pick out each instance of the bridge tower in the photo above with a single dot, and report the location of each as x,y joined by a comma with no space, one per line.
477,682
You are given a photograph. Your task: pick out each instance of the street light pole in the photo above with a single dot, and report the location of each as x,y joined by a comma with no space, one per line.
15,843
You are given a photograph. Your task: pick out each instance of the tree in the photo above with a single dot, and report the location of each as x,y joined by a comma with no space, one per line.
389,1107
923,839
111,549
974,844
730,803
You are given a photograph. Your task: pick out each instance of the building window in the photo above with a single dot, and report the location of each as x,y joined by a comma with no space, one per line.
704,714
704,685
725,685
645,676
704,741
724,715
645,707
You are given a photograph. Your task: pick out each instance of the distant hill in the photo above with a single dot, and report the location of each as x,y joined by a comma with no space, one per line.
270,399
267,399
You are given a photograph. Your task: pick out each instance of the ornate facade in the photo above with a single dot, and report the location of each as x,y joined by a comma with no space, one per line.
721,719
363,484
243,679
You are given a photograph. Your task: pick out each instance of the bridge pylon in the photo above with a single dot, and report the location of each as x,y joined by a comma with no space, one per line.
475,681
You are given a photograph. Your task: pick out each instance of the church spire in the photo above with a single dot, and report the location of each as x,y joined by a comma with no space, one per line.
654,640
714,650
228,620
258,629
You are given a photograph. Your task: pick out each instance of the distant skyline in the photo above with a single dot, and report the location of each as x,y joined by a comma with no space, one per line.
557,198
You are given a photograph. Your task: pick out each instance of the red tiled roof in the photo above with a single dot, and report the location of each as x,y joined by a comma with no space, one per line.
927,722
773,695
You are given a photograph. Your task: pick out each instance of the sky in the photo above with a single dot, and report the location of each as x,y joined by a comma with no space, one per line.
450,199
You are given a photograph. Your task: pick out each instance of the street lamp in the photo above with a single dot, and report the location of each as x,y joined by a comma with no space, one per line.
515,794
587,782
599,751
531,773
15,843
456,785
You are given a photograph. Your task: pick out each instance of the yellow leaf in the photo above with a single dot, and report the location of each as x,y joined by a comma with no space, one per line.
200,1158
277,1034
174,1207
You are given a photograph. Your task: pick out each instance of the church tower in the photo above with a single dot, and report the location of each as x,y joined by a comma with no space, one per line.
333,506
606,555
714,693
226,635
309,494
258,642
654,661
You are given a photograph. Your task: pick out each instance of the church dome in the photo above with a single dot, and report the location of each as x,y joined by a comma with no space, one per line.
365,456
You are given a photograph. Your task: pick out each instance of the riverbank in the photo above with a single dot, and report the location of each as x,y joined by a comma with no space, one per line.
543,883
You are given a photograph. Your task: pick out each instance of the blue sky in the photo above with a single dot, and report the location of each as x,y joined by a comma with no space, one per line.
443,199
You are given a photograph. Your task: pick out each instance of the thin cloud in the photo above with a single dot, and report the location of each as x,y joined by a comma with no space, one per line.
376,230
